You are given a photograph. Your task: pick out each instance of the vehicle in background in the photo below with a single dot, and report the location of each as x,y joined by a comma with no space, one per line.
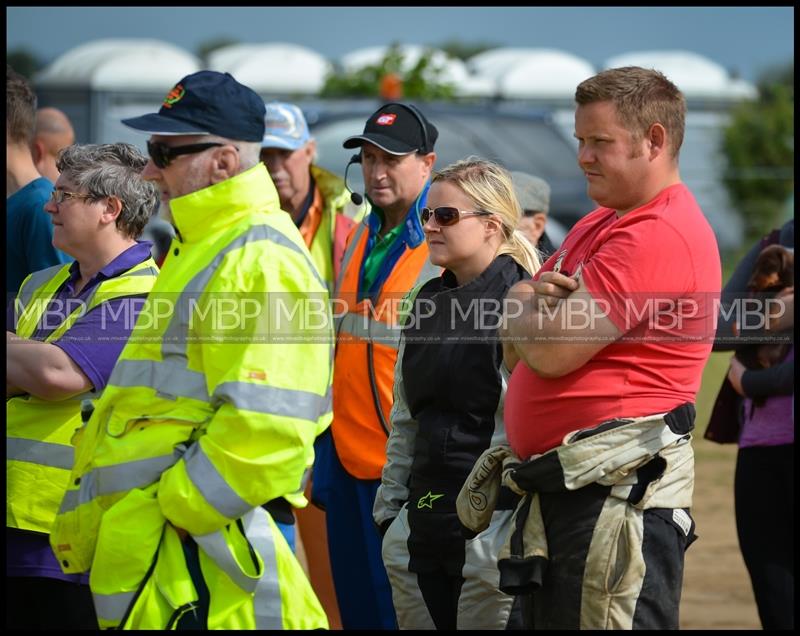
518,138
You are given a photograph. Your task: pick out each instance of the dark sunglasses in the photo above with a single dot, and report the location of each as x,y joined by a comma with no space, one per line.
162,154
446,215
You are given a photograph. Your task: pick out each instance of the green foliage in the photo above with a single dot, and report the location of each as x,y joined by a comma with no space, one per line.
759,145
420,82
465,50
205,48
23,62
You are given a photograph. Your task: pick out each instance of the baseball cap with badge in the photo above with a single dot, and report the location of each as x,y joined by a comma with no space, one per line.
206,103
395,129
285,127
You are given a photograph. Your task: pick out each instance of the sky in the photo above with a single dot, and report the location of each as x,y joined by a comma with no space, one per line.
744,40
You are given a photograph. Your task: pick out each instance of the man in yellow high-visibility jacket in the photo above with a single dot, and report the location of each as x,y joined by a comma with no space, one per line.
213,407
64,333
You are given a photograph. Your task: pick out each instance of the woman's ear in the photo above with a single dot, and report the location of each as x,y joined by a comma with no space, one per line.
112,210
492,227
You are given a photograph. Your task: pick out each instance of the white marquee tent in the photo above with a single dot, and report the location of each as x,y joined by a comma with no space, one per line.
114,64
273,68
695,75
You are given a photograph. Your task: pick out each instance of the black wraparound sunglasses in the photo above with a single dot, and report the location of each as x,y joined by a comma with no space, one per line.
162,154
446,215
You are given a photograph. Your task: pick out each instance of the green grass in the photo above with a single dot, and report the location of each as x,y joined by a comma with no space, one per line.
715,370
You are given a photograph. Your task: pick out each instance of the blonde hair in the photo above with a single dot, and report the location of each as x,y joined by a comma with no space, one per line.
490,187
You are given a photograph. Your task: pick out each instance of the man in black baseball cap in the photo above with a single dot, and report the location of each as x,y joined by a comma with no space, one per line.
386,257
214,380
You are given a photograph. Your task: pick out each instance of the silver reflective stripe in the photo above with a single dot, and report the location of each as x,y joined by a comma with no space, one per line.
428,271
366,328
216,491
147,271
106,480
267,600
112,607
216,546
26,294
176,335
273,400
348,255
41,453
36,280
170,376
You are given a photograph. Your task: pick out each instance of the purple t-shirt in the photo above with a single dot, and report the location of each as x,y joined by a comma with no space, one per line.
771,424
94,343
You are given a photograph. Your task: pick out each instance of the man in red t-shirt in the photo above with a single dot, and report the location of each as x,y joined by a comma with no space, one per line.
611,338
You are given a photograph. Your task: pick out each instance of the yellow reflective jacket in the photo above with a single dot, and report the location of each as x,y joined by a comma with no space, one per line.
339,215
210,412
39,453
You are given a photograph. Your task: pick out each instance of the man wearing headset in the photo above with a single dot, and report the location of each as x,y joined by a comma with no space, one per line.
385,257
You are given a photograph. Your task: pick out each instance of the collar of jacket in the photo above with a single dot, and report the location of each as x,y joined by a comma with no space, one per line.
412,234
330,186
206,211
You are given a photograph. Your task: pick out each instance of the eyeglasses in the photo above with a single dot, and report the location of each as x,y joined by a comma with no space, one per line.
446,216
162,154
59,196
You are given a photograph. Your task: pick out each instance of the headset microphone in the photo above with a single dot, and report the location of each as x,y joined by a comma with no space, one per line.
355,197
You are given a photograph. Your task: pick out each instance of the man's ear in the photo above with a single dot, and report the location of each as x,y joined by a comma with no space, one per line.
311,149
37,150
539,221
657,138
225,164
429,160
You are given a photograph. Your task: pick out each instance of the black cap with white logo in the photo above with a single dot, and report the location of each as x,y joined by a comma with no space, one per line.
398,129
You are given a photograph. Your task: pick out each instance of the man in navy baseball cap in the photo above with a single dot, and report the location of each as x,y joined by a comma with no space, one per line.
233,243
208,129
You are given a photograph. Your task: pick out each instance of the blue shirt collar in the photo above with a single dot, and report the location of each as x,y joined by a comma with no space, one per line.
134,255
412,234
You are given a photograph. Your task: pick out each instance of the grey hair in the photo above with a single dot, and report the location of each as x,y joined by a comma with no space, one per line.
104,170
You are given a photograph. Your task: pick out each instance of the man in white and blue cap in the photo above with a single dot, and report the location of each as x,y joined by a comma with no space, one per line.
316,199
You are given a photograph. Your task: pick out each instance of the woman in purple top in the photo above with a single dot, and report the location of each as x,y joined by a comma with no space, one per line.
98,209
764,482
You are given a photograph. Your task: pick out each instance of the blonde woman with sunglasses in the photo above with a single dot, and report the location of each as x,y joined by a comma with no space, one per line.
449,390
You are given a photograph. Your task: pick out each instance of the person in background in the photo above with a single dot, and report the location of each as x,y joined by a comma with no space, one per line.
533,194
316,199
29,233
764,481
52,133
64,333
601,404
386,256
449,392
212,409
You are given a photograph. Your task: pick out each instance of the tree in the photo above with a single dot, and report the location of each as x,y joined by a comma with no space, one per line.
24,62
759,145
422,81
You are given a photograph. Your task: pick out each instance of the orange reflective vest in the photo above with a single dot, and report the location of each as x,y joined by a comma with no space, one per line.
368,337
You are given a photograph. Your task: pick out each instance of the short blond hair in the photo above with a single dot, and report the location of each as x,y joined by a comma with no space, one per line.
642,98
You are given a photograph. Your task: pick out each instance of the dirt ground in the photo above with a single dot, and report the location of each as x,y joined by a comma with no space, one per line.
716,587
